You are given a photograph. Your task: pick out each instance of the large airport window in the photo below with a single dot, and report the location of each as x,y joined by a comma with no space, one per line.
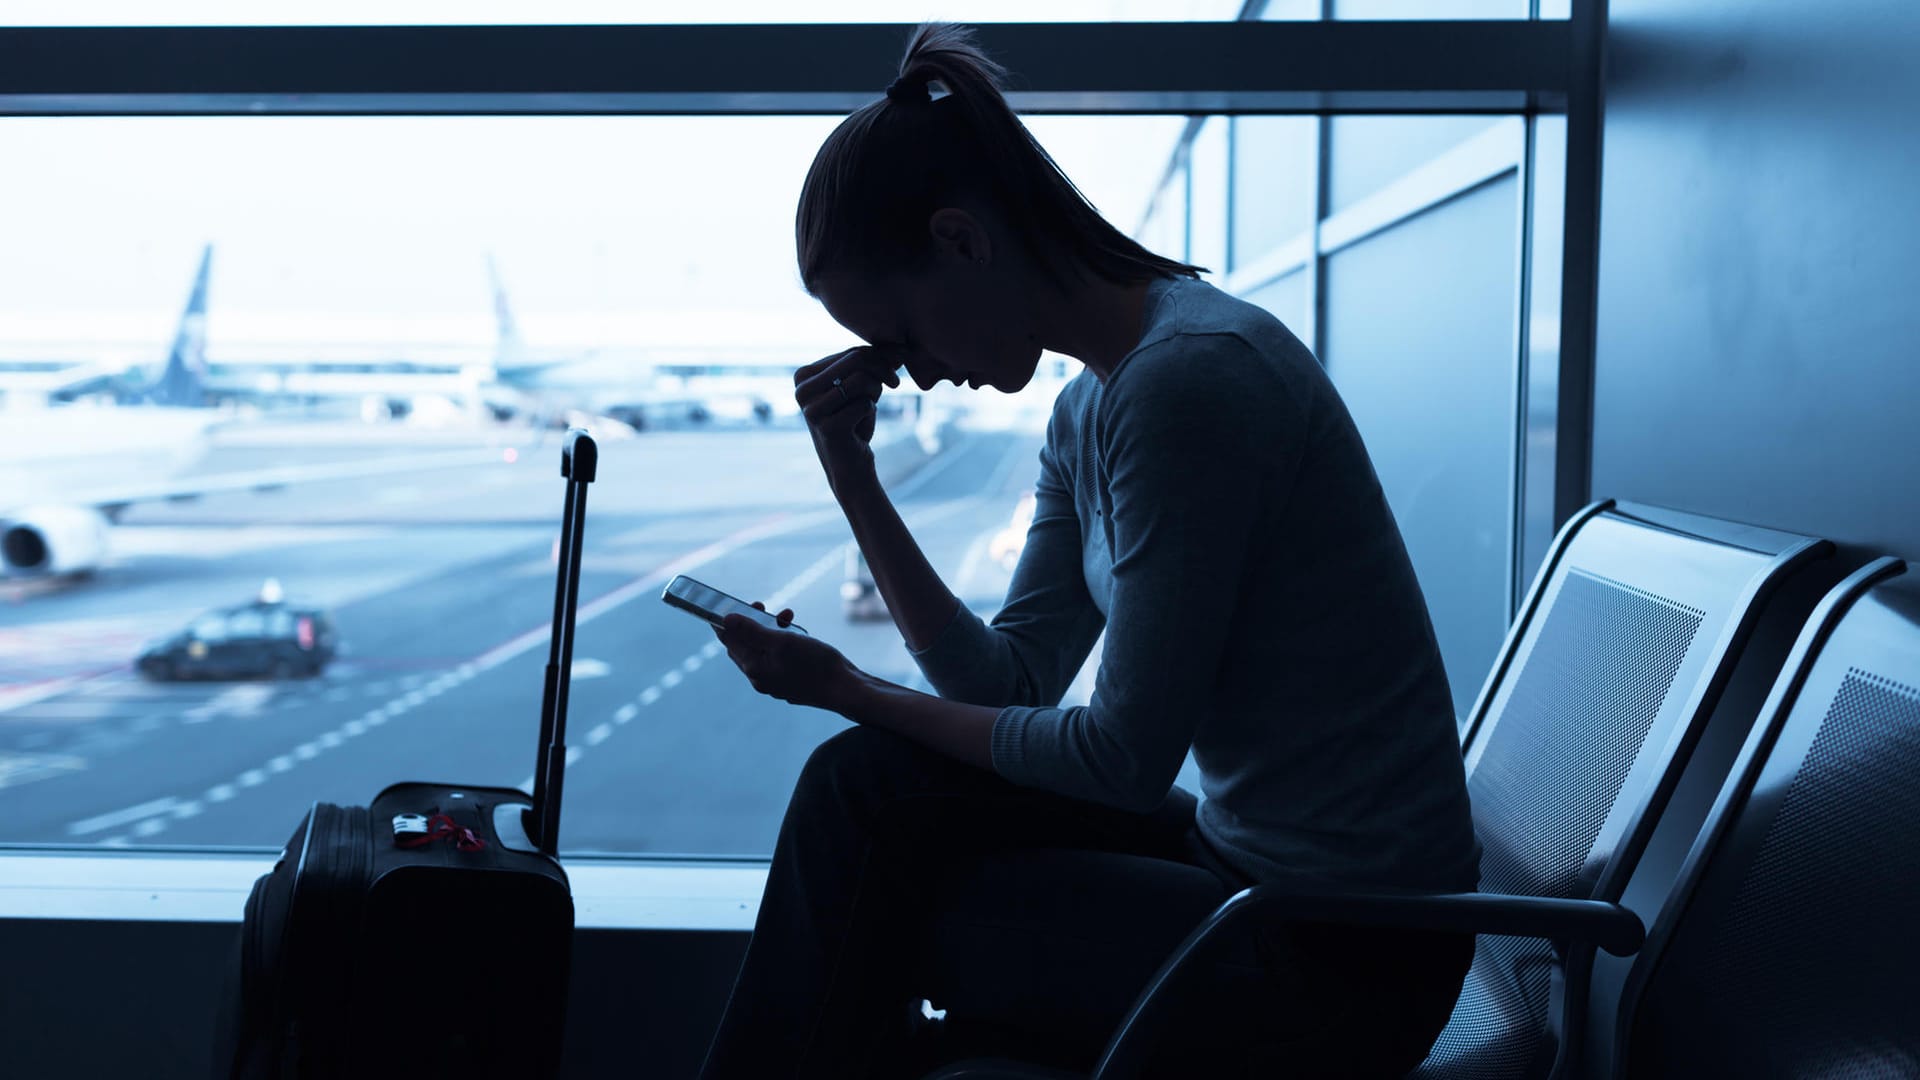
1367,154
1430,9
1275,187
1208,159
306,376
1431,389
591,12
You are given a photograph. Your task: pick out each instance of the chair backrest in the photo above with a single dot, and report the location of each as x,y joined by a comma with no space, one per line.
1627,638
1787,947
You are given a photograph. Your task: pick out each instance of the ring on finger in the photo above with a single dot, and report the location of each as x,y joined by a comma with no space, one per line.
837,385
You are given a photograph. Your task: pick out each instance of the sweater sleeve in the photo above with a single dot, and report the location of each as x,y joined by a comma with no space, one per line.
1194,432
1033,649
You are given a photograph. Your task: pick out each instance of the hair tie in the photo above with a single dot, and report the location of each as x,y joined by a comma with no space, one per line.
906,91
916,91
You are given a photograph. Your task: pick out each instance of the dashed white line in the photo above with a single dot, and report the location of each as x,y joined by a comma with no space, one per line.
353,727
280,764
306,751
220,793
650,695
187,809
692,663
253,778
149,827
626,713
599,734
122,817
671,679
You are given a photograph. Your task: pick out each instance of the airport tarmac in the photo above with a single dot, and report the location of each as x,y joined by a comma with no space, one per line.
441,587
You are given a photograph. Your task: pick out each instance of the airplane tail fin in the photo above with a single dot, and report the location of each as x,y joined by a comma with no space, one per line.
507,345
183,381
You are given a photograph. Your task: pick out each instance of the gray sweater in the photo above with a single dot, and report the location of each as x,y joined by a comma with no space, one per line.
1212,508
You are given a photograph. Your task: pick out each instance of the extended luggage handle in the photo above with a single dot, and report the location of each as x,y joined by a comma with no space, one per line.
579,462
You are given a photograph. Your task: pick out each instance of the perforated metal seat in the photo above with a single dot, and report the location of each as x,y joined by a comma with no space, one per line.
1621,651
1787,948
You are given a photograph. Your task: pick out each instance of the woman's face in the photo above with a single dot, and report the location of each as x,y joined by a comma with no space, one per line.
964,318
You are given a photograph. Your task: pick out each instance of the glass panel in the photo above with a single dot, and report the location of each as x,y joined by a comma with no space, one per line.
1287,297
1164,232
1429,9
1279,10
1419,339
1207,198
1543,346
1275,180
396,315
592,12
1369,153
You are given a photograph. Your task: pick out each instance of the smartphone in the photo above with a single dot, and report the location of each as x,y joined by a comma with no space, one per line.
709,603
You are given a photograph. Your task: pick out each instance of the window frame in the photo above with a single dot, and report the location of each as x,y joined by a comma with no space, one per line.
1506,67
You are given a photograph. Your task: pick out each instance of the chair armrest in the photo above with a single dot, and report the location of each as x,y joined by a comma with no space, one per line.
1605,924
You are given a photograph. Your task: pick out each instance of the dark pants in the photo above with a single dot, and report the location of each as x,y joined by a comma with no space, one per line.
1035,920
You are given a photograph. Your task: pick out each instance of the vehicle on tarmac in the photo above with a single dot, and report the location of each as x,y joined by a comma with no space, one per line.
860,598
262,639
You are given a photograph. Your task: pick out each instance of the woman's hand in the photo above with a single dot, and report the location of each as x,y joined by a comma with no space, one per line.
793,667
837,395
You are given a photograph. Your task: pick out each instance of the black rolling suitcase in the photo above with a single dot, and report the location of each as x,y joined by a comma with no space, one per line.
426,935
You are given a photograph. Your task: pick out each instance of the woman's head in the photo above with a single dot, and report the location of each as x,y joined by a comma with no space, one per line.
933,221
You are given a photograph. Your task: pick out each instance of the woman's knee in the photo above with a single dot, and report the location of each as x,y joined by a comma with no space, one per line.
852,760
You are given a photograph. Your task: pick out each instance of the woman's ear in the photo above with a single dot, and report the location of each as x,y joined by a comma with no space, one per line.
959,237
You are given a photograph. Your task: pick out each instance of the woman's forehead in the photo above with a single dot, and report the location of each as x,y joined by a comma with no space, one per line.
872,310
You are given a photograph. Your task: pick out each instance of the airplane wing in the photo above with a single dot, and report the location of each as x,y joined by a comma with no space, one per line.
111,498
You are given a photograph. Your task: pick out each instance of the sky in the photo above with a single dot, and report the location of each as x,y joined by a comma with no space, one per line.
480,12
604,230
350,228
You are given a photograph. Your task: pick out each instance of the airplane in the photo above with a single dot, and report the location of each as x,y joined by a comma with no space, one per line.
67,472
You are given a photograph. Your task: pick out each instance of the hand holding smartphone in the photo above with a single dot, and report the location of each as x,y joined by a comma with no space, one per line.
708,603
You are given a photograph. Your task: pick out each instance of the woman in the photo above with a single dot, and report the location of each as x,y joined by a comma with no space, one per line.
1205,500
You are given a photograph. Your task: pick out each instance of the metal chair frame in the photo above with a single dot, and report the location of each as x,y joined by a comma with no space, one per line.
1576,926
1741,799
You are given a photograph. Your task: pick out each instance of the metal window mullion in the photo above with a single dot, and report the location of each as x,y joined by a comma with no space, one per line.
1228,66
1579,284
1522,360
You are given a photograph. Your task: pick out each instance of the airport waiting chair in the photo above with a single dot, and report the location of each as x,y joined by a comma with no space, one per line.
1787,946
1619,655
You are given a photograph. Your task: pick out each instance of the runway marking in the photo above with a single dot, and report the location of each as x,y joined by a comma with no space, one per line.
122,817
188,809
149,821
772,525
17,769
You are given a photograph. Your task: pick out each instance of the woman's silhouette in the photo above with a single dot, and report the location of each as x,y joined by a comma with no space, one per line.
1205,500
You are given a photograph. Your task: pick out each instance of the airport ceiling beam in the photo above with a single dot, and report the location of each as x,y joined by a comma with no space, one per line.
1189,67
